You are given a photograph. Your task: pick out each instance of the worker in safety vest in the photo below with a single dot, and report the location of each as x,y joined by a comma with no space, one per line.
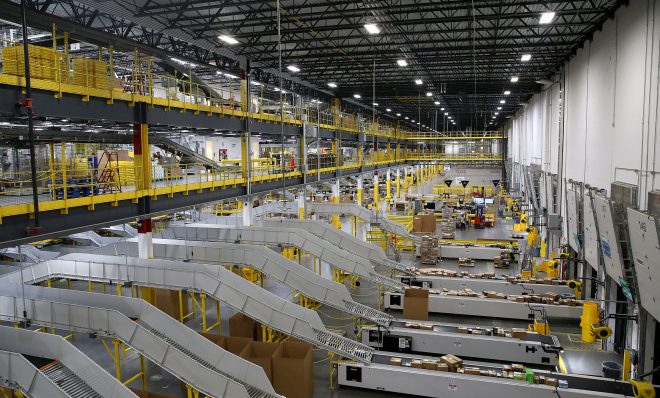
509,249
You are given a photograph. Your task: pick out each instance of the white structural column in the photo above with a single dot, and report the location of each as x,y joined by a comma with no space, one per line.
247,212
335,199
145,239
301,205
397,183
388,185
360,187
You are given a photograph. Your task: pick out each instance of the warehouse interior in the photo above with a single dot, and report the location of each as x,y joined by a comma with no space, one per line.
329,198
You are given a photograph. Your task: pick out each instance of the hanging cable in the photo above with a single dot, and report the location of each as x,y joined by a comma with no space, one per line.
474,66
279,56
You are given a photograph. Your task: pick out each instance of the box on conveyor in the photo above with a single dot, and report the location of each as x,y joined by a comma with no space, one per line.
452,361
416,304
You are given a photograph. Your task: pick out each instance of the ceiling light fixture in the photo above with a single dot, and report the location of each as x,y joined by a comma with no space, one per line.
406,118
402,62
507,92
442,109
398,114
437,102
358,96
372,28
497,113
547,17
502,102
514,79
388,110
375,103
526,57
419,82
499,108
332,85
429,94
228,39
293,68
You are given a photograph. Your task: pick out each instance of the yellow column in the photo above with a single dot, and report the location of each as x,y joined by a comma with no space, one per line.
335,199
359,190
244,156
388,186
142,153
406,181
376,198
336,110
397,184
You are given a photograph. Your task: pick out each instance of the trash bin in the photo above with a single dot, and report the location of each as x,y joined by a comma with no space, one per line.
612,370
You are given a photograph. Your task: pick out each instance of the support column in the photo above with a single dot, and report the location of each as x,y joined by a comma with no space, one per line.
301,205
247,212
388,186
145,239
360,187
406,182
397,184
335,199
376,196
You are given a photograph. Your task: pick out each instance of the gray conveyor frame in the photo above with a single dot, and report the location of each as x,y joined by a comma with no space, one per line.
218,283
87,378
223,363
301,239
262,259
478,285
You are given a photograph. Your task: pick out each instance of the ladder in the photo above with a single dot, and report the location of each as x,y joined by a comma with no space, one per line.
68,381
109,181
623,240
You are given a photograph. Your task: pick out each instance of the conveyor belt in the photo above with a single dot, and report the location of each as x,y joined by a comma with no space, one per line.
363,213
64,370
167,328
304,240
275,208
262,259
68,381
338,238
17,373
500,285
222,285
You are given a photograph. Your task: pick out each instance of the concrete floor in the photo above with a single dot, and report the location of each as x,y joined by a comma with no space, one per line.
579,358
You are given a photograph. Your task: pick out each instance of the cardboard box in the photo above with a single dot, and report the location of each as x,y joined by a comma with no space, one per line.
168,302
472,371
242,326
428,223
235,345
417,224
452,361
416,363
395,361
550,381
516,367
429,364
293,370
416,304
262,353
462,329
443,367
519,333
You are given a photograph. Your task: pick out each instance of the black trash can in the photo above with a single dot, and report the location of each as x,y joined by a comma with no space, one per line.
612,370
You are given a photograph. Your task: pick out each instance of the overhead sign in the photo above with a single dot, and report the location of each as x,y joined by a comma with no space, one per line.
464,183
448,182
496,182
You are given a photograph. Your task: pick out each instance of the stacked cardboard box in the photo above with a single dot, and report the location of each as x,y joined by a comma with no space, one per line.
243,326
90,73
293,370
45,63
465,262
429,249
448,228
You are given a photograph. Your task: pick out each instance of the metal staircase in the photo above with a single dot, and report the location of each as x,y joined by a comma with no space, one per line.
68,381
186,154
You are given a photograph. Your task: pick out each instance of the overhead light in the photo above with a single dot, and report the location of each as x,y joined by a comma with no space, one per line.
255,83
332,85
442,109
502,102
497,113
526,57
499,108
449,117
493,117
546,17
218,72
398,114
358,96
228,39
372,28
413,120
514,79
446,113
406,118
388,110
375,103
402,62
417,122
429,94
423,125
507,92
419,82
293,68
437,102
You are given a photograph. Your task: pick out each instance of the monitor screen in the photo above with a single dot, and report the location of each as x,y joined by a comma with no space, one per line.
479,201
490,201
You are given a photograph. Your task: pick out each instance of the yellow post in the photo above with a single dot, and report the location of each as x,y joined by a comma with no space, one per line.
376,196
116,343
335,109
244,91
244,156
63,166
625,373
388,186
142,155
397,184
588,318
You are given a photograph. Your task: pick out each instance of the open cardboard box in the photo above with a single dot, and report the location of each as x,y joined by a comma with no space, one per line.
416,304
148,394
262,354
235,345
293,370
242,326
